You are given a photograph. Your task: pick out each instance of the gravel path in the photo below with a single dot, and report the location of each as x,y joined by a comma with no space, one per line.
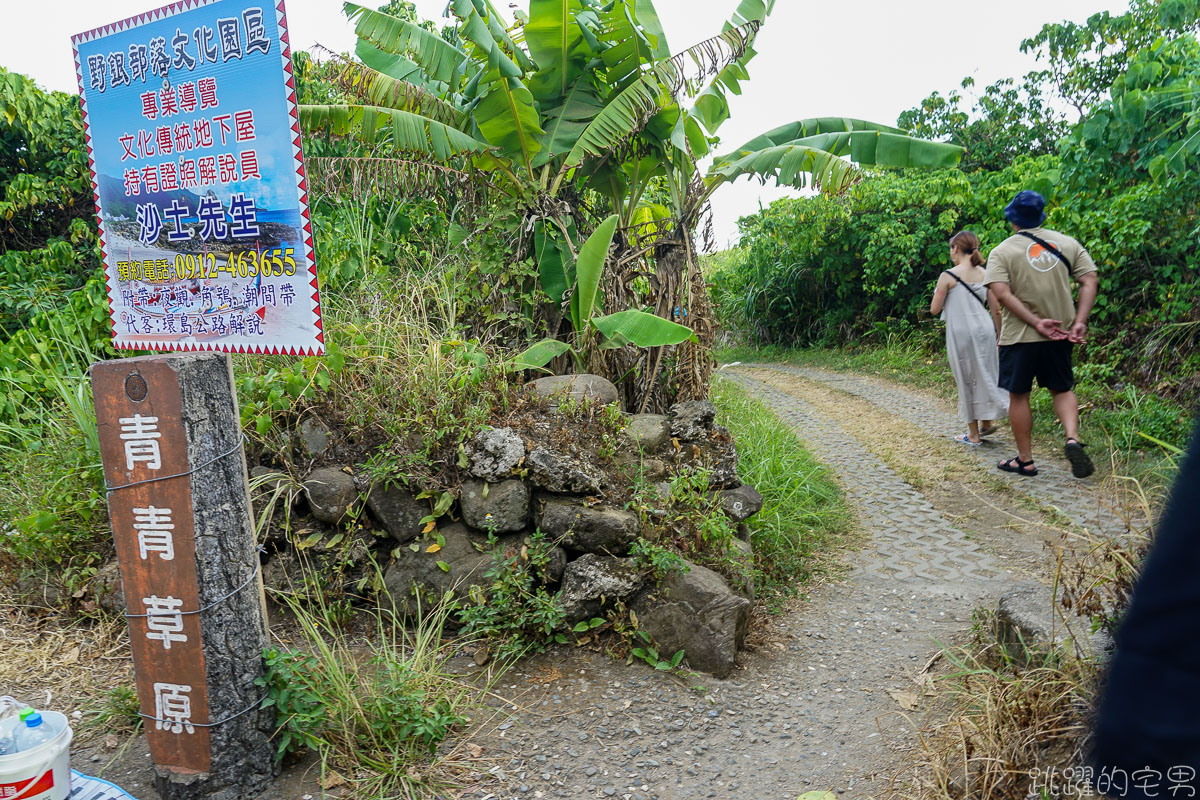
821,705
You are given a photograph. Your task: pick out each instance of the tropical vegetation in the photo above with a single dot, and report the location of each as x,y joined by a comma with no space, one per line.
858,268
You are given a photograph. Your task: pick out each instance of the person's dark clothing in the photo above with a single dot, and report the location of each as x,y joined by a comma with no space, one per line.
1149,716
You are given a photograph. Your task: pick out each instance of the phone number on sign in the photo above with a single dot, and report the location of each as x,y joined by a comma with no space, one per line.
247,264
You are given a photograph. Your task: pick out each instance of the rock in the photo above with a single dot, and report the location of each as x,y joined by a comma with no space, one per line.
697,612
562,474
416,583
742,554
314,438
107,589
692,420
716,453
504,509
398,510
331,493
648,431
741,503
743,531
592,582
590,530
1027,623
283,574
555,568
496,454
579,387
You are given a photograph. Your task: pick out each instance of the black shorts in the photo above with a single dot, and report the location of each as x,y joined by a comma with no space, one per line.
1049,362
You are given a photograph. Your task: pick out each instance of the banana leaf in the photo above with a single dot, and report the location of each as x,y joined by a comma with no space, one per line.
641,329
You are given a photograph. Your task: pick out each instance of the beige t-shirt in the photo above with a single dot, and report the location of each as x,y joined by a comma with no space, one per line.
1038,278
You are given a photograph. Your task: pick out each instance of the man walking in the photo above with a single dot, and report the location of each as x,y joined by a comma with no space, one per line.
1030,274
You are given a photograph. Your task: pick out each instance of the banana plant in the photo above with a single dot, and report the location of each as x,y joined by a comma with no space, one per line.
586,99
629,327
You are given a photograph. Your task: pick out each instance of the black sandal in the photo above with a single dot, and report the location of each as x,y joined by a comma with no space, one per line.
1018,467
1081,462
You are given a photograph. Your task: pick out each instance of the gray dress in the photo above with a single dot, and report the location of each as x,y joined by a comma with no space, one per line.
971,348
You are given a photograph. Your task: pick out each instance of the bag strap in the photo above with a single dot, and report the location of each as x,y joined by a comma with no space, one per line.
966,286
1049,247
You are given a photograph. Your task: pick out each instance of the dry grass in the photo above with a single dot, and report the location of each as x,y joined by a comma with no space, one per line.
68,665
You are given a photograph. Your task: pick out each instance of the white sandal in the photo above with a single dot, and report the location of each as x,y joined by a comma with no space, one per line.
965,438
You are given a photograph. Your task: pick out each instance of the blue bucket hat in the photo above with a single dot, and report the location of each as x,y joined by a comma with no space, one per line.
1027,210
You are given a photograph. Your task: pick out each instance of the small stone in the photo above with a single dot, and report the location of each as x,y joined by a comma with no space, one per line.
504,509
331,493
577,387
314,437
648,431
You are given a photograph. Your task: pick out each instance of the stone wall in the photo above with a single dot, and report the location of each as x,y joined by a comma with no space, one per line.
521,479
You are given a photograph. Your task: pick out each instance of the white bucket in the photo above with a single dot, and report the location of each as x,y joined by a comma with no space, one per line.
43,773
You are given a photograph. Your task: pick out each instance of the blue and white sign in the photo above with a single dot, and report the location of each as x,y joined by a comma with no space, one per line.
201,195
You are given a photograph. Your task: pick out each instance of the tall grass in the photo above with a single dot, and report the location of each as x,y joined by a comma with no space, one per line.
375,708
804,516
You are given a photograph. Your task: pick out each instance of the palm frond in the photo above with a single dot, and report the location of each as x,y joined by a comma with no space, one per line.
712,106
556,43
508,118
566,122
403,131
362,177
479,25
627,113
377,89
437,58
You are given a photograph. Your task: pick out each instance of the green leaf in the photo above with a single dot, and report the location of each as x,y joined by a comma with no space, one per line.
262,423
647,15
580,627
641,329
550,254
557,45
566,122
443,566
539,355
588,270
508,118
406,131
438,59
677,659
479,24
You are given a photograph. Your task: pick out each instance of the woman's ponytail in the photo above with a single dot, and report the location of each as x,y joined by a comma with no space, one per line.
967,242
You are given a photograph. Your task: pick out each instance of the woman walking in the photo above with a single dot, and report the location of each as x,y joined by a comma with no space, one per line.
963,301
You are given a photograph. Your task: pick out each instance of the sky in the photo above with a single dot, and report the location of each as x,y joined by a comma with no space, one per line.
869,59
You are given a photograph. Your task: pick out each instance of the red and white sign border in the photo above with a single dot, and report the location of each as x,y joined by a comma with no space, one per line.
301,185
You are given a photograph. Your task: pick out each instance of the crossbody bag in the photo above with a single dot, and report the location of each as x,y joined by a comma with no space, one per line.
967,286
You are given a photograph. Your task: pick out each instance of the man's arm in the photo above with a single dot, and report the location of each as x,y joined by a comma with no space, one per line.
1089,287
1046,327
994,307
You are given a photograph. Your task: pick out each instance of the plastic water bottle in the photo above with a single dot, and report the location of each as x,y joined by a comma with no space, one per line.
35,732
7,747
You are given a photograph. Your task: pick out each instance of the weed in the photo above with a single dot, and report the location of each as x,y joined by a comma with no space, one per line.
655,560
648,653
516,612
374,710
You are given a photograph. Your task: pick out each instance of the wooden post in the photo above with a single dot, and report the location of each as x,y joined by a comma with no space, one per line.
170,436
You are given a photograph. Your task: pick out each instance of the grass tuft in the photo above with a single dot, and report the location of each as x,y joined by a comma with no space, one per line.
804,516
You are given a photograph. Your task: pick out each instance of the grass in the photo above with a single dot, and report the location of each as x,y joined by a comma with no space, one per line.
804,518
378,708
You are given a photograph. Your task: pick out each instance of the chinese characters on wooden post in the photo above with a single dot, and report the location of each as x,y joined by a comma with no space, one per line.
180,511
201,196
139,417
